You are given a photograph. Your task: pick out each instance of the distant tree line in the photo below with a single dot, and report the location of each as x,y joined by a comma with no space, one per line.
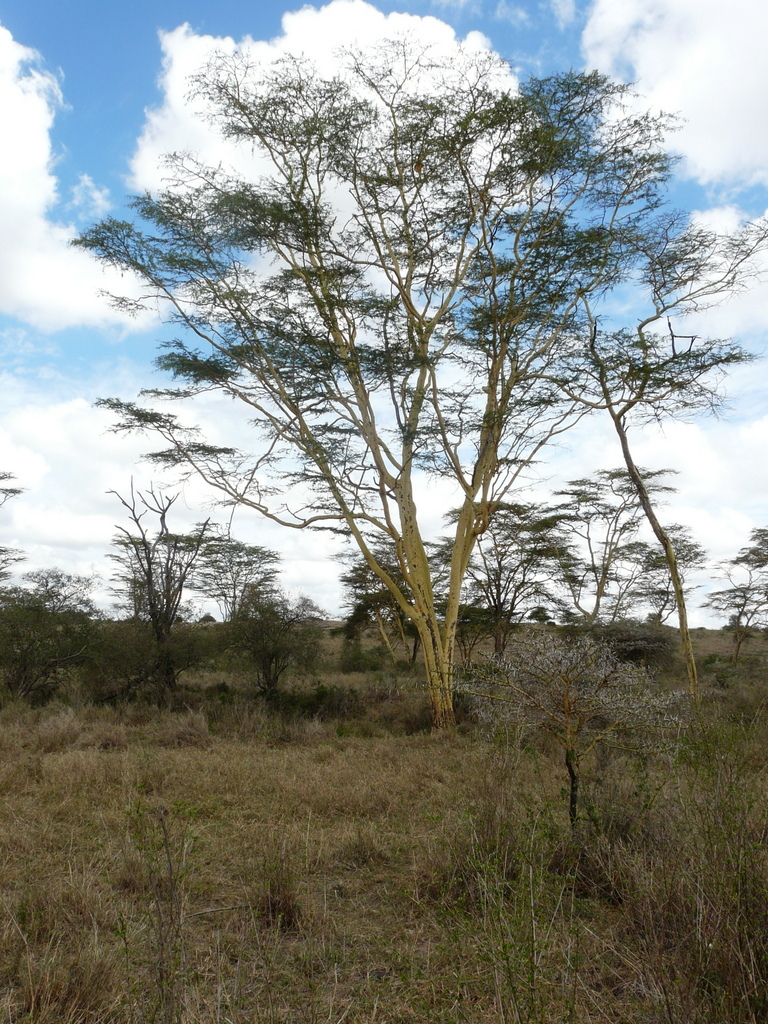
52,632
577,561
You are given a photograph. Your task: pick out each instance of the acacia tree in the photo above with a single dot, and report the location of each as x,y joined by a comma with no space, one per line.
654,372
594,539
654,586
226,569
273,633
371,602
7,492
745,601
8,556
512,568
154,568
389,297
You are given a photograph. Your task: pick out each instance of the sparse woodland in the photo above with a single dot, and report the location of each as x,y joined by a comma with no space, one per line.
511,785
279,834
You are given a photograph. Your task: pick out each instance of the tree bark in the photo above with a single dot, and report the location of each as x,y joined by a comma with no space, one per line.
572,764
669,552
739,636
438,664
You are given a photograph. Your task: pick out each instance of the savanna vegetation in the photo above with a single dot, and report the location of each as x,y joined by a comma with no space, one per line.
502,788
328,856
277,833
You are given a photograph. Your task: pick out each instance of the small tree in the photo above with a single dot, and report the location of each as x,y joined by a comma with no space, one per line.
154,569
371,604
646,375
745,601
654,587
594,538
512,569
226,569
474,625
46,629
274,633
575,689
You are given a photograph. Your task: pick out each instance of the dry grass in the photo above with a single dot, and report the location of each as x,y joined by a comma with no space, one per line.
229,866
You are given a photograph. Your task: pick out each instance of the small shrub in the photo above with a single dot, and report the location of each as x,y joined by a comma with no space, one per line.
356,658
719,669
323,702
577,691
640,643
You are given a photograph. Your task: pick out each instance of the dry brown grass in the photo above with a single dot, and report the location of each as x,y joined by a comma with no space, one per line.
229,866
287,865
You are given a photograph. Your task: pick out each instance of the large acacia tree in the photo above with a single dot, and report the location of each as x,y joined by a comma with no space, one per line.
388,292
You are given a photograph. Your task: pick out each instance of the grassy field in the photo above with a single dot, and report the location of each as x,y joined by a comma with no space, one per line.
226,863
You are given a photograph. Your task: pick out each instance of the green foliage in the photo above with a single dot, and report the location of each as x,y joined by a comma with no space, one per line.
654,588
154,570
513,568
371,604
8,556
641,643
46,630
745,601
593,535
227,569
122,660
482,223
273,634
320,701
353,657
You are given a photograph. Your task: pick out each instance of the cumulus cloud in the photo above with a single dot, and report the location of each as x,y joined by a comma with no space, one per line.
703,59
67,460
43,281
316,33
720,476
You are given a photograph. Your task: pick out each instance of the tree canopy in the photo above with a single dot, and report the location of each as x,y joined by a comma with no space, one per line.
393,291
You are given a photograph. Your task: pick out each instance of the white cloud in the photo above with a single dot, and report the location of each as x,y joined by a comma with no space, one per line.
511,13
317,33
67,461
43,281
721,480
90,201
701,58
564,11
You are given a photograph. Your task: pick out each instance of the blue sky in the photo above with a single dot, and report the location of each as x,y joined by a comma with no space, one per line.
91,94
